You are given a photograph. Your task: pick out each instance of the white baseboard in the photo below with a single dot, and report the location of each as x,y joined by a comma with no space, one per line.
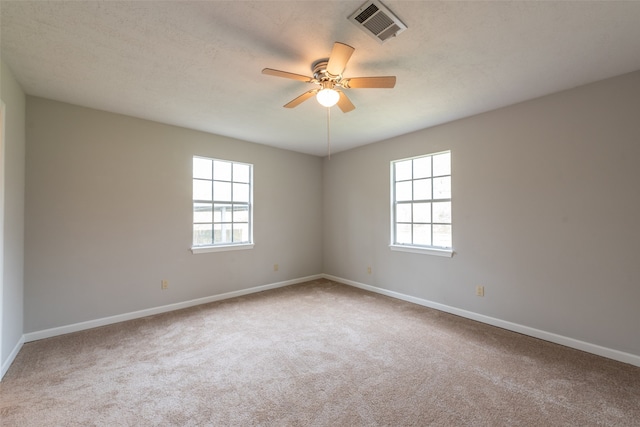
52,332
11,358
620,356
537,333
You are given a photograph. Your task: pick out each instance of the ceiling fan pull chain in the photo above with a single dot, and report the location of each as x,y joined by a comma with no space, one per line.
329,132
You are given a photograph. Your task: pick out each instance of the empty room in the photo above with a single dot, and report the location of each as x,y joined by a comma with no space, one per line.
319,213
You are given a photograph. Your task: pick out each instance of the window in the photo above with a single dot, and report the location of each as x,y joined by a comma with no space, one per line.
222,205
421,204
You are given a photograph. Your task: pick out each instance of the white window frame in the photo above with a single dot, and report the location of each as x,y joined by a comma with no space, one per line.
226,246
412,248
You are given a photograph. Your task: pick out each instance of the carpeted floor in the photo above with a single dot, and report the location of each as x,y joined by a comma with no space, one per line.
314,354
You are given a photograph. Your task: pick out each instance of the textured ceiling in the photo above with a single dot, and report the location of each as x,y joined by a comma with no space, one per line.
198,64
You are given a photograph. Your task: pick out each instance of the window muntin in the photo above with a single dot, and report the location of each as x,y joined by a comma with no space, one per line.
222,202
421,202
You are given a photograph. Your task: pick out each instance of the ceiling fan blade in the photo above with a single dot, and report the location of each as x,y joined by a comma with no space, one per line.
339,57
345,103
370,82
299,100
286,75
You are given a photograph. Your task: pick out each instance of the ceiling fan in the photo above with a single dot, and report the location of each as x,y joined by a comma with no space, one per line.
327,74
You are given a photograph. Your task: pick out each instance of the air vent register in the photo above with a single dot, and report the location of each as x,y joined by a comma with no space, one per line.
377,21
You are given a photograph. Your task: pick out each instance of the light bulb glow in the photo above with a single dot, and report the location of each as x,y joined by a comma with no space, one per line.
328,97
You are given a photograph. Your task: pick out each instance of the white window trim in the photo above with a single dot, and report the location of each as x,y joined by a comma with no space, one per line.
423,250
221,248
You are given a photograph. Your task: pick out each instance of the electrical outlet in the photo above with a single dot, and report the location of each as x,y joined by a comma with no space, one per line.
164,284
368,270
480,291
275,267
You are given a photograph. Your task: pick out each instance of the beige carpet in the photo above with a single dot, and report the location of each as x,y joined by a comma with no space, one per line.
315,354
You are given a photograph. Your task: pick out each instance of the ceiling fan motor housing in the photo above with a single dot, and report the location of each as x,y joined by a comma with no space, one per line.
323,77
320,72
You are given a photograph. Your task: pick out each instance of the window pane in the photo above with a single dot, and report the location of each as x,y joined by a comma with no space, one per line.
403,233
422,212
221,233
422,167
442,236
201,168
240,192
403,191
422,234
202,212
222,213
240,233
221,170
222,191
403,212
442,212
202,234
241,173
403,170
442,164
201,189
241,213
442,188
422,189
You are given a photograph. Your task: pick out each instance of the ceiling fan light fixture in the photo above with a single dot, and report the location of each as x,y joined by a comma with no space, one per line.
328,97
327,74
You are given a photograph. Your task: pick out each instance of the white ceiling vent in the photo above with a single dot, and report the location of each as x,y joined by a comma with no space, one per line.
377,21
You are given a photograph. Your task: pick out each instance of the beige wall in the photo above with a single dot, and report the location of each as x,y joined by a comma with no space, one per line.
546,215
108,215
13,254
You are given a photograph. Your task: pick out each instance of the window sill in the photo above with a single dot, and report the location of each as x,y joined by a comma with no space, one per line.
220,248
425,251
